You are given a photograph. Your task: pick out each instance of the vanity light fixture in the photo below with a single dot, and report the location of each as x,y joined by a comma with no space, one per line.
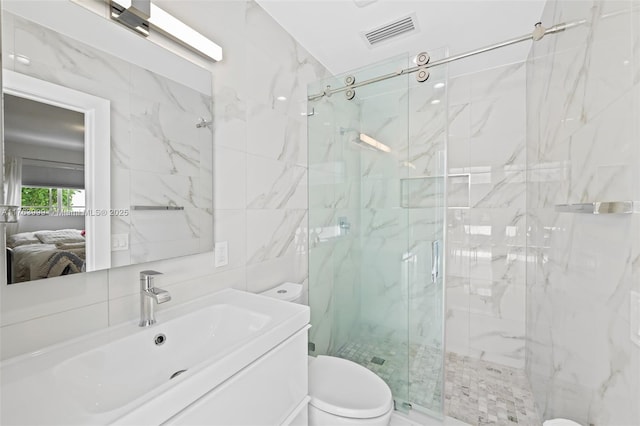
144,16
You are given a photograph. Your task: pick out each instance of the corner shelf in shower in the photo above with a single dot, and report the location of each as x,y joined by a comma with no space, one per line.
600,207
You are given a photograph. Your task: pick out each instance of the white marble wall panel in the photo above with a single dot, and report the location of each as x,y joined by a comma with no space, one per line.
334,192
459,131
321,278
582,100
272,233
275,185
486,229
347,290
61,60
165,134
160,89
267,238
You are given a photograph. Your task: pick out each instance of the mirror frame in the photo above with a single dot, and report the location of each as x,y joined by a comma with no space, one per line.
97,152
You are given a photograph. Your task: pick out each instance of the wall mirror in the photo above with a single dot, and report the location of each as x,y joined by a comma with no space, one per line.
105,153
57,167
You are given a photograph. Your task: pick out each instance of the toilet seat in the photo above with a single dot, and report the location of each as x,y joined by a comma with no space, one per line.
344,388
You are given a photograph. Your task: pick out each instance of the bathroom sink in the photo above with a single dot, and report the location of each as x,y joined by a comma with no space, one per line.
132,375
147,360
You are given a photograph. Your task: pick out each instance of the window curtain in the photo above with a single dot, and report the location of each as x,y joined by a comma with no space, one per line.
13,187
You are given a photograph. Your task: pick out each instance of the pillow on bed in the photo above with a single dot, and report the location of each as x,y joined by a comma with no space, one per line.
22,239
70,246
60,236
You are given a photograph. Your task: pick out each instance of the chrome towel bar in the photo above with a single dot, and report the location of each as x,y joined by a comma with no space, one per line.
157,208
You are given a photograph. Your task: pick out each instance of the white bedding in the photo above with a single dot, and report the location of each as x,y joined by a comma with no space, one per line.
36,261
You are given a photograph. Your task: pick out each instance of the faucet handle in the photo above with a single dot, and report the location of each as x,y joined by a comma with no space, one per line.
149,273
160,296
146,279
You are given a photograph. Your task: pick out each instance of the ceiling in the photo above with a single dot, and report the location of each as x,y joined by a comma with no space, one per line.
331,29
35,123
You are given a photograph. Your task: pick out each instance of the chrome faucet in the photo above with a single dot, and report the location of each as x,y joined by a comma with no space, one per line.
148,295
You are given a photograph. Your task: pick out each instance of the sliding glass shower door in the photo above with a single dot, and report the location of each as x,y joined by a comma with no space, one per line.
376,222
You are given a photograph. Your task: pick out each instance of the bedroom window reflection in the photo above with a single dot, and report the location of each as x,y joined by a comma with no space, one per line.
45,176
53,201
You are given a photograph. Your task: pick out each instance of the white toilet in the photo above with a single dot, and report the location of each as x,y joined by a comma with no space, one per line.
560,422
341,391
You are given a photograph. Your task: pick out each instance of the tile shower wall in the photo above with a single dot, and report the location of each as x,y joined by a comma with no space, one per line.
486,211
260,170
260,94
583,93
334,192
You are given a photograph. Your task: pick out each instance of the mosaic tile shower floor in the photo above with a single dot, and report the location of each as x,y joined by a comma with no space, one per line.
476,392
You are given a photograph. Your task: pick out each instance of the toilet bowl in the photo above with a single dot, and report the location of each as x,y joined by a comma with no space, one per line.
341,391
345,393
560,422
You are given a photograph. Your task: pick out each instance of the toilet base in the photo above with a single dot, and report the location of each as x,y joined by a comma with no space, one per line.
318,417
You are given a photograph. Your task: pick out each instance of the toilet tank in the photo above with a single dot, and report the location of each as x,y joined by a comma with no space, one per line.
289,292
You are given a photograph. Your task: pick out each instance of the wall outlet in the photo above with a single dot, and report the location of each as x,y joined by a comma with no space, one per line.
221,254
119,242
634,318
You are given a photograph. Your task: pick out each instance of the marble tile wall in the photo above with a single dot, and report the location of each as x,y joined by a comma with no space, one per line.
260,143
259,179
385,116
334,192
158,157
486,216
583,92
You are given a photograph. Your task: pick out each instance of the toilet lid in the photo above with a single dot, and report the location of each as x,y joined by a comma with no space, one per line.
346,389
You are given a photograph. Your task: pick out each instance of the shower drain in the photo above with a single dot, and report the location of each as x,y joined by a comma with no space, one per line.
378,361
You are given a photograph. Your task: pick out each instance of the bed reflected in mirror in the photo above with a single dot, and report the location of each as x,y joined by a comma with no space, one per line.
44,175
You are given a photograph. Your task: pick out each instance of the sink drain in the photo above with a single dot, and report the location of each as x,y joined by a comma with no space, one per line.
176,374
159,339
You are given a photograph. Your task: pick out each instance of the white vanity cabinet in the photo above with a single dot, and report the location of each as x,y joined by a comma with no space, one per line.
229,358
270,391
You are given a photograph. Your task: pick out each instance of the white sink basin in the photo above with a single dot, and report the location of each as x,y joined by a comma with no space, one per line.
122,375
96,377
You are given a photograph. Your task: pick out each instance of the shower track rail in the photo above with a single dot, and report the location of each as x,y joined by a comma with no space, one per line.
538,33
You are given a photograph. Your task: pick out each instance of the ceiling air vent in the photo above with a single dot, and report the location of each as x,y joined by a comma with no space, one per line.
391,30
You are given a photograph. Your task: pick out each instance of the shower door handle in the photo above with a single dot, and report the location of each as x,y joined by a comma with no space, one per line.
435,261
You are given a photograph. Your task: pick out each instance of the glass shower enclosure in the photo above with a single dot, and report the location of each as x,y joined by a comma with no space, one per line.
376,228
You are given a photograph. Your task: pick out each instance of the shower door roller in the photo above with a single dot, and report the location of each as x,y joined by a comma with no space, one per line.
422,75
422,58
350,81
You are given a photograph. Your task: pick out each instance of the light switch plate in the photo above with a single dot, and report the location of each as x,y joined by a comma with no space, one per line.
222,254
119,242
